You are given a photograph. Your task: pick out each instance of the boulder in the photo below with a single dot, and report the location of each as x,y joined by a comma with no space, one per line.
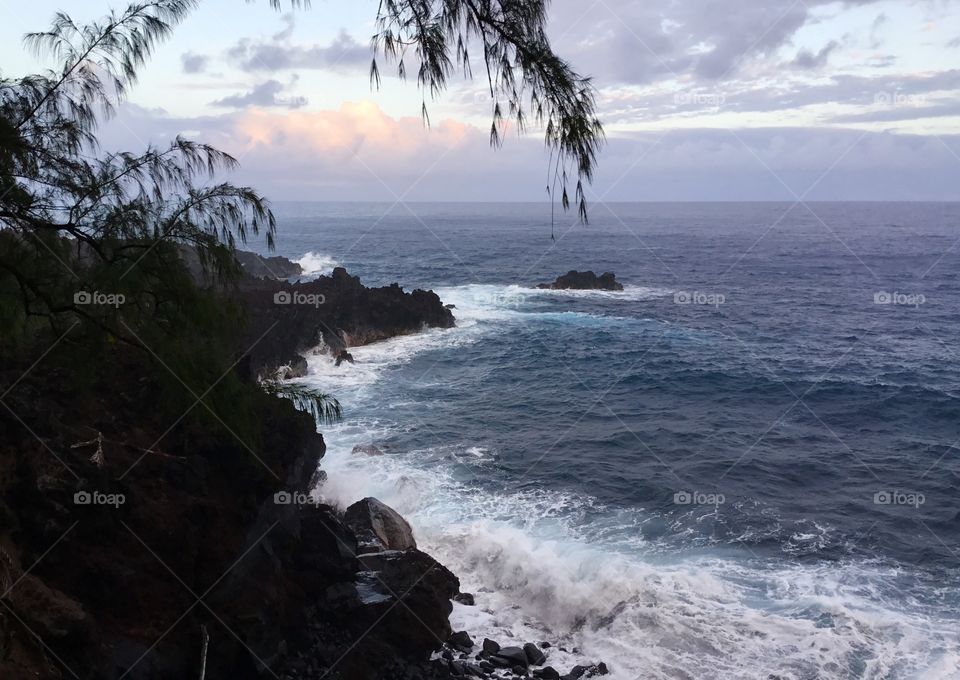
534,656
366,450
412,614
574,280
511,657
547,673
378,527
48,611
490,647
461,641
465,598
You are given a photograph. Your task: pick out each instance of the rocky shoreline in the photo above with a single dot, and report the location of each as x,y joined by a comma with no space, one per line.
213,554
333,312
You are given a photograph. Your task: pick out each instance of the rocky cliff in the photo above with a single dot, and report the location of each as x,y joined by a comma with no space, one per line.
133,547
161,558
337,311
136,547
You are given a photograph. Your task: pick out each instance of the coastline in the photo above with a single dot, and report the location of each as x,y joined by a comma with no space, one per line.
210,557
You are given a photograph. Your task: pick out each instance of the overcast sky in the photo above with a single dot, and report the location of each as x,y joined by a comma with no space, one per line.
701,100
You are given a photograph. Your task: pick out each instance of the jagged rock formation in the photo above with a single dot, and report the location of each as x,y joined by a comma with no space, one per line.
584,281
273,267
285,320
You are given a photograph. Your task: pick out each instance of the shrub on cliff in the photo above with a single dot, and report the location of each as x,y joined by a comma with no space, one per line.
90,251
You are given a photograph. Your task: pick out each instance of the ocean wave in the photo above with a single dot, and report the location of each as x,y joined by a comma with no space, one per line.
506,296
486,303
371,361
654,616
316,264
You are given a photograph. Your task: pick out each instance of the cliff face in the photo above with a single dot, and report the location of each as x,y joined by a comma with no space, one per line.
337,310
169,550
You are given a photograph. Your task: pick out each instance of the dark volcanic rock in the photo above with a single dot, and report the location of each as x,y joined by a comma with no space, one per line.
534,655
461,640
411,630
513,656
378,527
466,599
366,450
490,647
112,590
198,517
274,267
587,671
343,355
285,320
584,281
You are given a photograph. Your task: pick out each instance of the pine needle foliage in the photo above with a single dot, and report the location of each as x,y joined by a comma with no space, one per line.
529,84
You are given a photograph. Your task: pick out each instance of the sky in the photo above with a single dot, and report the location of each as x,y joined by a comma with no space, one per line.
702,100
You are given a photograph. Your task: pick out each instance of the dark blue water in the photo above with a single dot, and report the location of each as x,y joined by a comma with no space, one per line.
745,464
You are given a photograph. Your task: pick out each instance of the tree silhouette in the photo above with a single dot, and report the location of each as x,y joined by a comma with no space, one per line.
76,222
526,79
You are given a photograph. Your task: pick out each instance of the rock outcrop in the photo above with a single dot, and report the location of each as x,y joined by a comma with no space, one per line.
338,311
366,450
273,267
378,527
574,280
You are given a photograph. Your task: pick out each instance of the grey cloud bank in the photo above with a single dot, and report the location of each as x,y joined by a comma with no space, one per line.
759,164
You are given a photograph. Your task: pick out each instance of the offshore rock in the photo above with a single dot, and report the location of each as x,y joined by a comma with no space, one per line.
574,280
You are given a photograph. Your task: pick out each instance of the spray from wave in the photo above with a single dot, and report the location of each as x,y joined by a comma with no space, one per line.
317,264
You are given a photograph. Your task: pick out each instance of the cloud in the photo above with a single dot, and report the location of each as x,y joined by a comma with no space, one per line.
629,42
810,61
290,23
264,94
628,104
344,53
906,110
194,63
878,23
357,152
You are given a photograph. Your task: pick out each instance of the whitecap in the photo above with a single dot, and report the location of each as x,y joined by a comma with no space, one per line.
316,264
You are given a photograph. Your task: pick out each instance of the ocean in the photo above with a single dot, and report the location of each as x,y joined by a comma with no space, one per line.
744,465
